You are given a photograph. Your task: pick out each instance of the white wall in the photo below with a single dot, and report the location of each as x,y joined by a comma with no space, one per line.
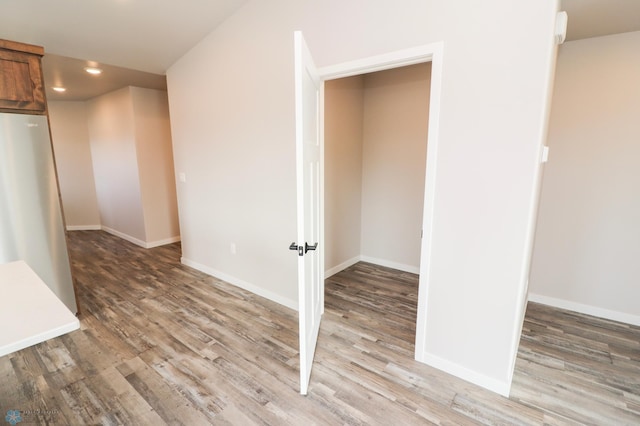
155,164
115,164
396,122
232,109
344,114
587,240
132,160
70,136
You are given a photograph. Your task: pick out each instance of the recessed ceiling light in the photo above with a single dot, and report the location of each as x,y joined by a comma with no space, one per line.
60,89
93,71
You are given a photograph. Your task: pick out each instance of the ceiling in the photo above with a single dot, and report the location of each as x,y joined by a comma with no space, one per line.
136,41
120,36
596,18
62,71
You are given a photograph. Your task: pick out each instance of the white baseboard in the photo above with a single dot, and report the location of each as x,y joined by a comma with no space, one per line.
166,241
292,304
139,242
341,267
84,227
586,309
497,386
124,236
390,264
381,262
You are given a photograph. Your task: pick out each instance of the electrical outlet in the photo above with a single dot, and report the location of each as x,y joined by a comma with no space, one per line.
232,249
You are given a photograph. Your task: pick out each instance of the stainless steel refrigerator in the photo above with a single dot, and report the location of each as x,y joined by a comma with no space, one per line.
31,224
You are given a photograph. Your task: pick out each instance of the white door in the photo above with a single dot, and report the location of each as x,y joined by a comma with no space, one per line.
309,174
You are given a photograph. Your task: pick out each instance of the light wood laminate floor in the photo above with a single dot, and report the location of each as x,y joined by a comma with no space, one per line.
161,343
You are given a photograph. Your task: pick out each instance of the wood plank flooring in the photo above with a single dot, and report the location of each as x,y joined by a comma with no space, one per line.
161,343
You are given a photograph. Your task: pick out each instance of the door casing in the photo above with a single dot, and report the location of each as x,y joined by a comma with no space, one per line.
427,53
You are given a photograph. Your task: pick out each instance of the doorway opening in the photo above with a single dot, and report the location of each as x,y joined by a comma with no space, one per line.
309,102
432,54
375,143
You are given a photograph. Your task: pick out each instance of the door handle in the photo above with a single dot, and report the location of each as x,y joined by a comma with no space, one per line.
302,249
296,247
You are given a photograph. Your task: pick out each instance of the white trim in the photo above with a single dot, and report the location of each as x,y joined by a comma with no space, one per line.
341,267
124,236
586,309
391,264
166,241
426,53
84,227
289,303
471,376
525,270
429,201
138,242
321,239
397,59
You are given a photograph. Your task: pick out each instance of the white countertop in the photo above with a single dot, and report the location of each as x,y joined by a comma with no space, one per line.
30,312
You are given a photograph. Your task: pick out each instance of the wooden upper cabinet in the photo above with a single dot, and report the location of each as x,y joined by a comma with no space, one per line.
21,81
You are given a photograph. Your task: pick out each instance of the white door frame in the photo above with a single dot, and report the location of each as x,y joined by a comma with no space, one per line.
426,53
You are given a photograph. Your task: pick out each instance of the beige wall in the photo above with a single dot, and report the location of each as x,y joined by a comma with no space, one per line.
587,241
375,151
155,164
396,121
232,109
70,136
115,164
132,161
344,114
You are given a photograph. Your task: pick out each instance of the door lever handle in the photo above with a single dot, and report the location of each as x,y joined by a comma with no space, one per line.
296,247
302,249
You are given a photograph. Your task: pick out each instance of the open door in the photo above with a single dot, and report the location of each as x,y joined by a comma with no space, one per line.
308,154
